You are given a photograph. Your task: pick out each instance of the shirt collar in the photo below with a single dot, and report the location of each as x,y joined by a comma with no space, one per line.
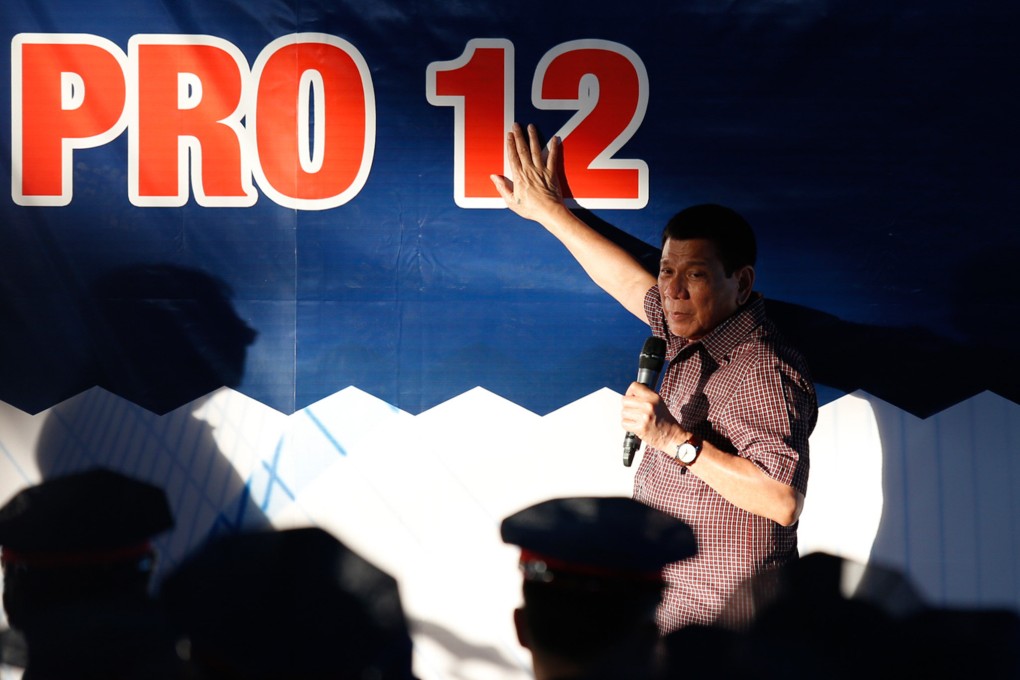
724,338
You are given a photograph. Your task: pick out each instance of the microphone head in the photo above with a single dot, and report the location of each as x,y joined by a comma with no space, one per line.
653,354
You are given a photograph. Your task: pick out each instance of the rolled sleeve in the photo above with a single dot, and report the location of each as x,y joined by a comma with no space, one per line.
770,419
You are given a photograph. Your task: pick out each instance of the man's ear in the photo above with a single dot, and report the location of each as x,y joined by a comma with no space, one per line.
745,283
521,625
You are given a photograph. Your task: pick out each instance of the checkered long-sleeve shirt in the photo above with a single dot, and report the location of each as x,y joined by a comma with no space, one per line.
747,392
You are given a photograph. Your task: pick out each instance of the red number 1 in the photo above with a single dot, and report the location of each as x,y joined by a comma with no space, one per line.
479,87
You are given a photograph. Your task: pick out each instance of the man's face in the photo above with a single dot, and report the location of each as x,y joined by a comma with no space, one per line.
696,293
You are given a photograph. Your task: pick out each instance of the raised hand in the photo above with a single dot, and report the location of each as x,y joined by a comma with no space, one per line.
533,190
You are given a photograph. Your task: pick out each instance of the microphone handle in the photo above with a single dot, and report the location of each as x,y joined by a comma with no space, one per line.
649,364
631,442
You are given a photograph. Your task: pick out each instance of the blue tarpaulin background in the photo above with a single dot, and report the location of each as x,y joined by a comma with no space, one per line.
870,144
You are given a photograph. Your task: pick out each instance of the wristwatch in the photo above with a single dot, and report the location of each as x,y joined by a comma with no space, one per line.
687,452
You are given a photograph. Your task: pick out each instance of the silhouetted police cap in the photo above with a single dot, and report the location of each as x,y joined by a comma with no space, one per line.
608,536
288,604
87,512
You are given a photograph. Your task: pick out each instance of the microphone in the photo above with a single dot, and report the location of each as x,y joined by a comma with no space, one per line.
653,354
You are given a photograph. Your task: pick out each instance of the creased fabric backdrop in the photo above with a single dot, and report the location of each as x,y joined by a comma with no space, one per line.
871,145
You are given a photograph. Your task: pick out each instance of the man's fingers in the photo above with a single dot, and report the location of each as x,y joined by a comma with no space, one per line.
504,186
512,153
635,417
521,144
536,146
637,389
524,148
552,160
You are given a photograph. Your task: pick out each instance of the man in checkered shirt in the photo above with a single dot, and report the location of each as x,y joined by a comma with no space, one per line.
727,442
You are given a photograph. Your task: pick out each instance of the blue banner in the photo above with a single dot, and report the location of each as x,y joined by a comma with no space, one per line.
291,198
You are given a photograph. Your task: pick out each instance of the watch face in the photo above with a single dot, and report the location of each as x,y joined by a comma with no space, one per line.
686,453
